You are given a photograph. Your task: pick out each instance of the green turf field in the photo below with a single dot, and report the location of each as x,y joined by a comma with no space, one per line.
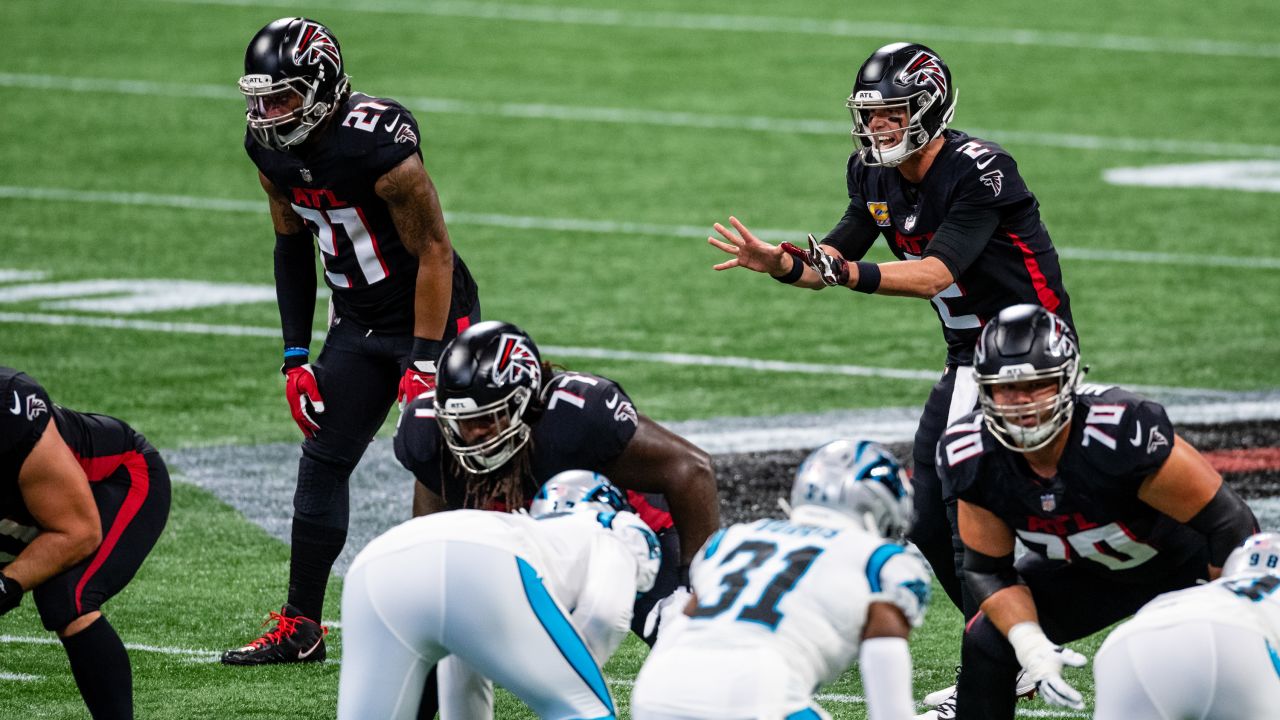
582,152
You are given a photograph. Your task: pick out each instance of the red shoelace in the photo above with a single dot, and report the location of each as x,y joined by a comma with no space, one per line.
285,627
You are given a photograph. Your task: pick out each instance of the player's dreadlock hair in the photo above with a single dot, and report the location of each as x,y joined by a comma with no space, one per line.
510,487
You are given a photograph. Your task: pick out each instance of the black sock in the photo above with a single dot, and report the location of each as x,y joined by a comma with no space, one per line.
430,696
315,548
100,666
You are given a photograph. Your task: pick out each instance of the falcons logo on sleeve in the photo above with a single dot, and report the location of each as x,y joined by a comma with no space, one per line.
924,70
993,180
315,47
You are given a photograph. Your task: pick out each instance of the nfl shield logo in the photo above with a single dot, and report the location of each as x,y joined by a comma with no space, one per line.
306,174
1048,503
909,224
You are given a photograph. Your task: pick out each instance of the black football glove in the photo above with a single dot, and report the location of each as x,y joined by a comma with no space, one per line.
10,593
832,269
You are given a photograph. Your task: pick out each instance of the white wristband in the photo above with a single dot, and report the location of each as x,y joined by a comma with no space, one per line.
1029,641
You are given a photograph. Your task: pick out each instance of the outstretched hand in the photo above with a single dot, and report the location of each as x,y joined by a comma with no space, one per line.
748,251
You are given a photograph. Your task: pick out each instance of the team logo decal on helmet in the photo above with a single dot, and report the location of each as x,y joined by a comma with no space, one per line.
315,46
516,362
924,69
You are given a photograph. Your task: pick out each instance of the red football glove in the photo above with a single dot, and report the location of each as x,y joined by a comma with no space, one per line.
833,270
420,377
304,397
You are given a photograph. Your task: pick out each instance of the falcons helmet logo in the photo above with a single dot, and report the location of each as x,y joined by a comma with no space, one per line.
515,362
315,47
924,70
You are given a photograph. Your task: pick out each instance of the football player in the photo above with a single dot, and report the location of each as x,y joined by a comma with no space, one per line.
781,606
501,423
1211,651
965,228
346,168
83,499
537,603
1113,506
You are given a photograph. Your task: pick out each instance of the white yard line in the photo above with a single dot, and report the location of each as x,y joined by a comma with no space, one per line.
840,28
588,226
640,116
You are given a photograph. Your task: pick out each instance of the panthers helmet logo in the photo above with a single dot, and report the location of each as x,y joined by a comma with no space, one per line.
315,47
925,70
516,363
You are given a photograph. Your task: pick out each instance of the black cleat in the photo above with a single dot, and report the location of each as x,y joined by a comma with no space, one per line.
294,639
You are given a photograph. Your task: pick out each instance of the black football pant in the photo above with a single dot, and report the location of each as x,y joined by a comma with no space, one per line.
935,529
1072,602
358,373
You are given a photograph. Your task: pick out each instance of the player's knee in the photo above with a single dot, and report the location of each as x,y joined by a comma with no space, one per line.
321,489
79,624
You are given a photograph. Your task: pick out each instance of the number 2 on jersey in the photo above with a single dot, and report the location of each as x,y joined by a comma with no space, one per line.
765,610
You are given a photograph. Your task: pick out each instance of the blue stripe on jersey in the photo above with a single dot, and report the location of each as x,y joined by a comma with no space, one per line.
563,634
805,714
877,561
713,544
1275,658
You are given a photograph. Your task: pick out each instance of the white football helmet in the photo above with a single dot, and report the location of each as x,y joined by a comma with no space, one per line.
1258,555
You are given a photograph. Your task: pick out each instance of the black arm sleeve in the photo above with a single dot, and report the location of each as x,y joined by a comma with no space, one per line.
962,236
295,263
1226,520
854,235
986,575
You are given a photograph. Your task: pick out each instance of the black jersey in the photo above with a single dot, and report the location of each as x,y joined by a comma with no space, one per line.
587,422
1089,512
330,182
1017,263
99,442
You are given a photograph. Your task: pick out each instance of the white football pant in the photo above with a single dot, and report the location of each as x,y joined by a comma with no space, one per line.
1196,669
405,610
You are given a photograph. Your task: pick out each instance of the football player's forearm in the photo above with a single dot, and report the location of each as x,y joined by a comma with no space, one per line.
1009,607
433,293
49,554
295,287
912,278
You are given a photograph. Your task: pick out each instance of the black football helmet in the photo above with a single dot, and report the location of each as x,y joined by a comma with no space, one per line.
490,375
1027,343
905,76
293,80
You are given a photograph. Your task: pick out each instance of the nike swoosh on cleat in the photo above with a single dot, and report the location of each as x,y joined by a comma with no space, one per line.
304,654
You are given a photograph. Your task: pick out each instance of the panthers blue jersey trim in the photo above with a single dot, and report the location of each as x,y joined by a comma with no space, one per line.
713,544
1275,658
876,562
805,714
563,634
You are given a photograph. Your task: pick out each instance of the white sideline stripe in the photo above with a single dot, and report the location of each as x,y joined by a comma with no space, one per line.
19,677
160,649
798,26
596,227
631,116
665,358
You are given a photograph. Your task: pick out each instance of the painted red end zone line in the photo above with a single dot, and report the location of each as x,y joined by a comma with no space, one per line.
1244,460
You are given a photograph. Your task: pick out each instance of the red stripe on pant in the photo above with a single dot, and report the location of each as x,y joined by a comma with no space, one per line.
99,469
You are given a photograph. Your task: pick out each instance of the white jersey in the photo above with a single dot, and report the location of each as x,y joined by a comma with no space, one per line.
570,550
791,596
1249,601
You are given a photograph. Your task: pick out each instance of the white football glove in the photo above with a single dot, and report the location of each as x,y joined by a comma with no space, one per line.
1043,662
664,612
